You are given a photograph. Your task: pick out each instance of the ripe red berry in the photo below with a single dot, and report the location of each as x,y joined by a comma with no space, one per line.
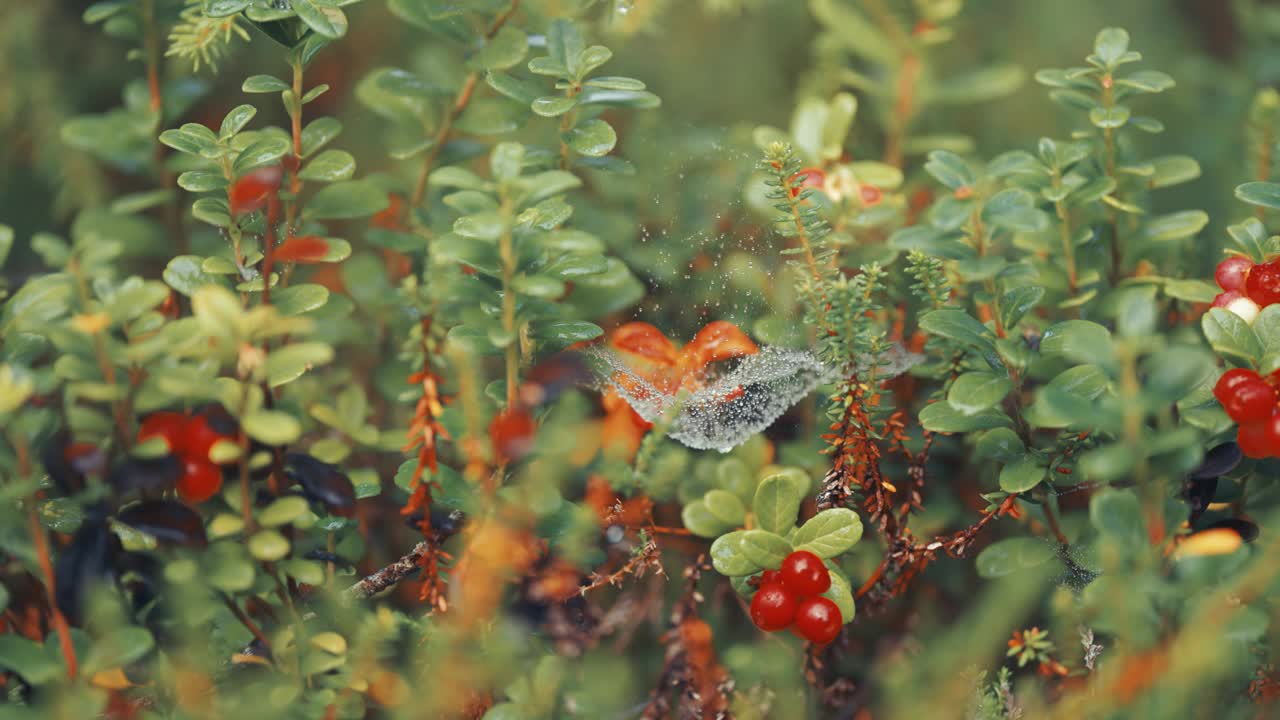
804,574
818,620
1225,298
200,480
198,437
1231,273
166,425
773,608
1262,285
1230,380
870,194
770,577
1250,401
1254,439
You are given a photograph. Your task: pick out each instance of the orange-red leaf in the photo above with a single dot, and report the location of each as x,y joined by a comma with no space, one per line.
305,249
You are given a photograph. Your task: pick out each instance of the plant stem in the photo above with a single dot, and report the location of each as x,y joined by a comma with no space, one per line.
460,102
506,252
1064,228
41,542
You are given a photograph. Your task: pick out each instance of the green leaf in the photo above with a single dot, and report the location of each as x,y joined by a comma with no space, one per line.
942,417
282,511
504,50
1109,117
1118,513
1001,444
841,593
1022,475
235,120
347,199
957,325
974,392
829,533
1264,194
297,299
272,427
326,21
318,133
1008,556
726,556
28,659
118,647
593,138
184,274
949,169
765,548
1014,209
1228,334
1016,303
267,151
607,82
329,166
1175,226
1149,81
1173,170
291,361
699,520
1078,340
726,507
1111,46
268,546
264,84
776,504
553,105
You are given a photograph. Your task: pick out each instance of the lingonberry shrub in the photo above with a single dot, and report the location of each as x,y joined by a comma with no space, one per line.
628,358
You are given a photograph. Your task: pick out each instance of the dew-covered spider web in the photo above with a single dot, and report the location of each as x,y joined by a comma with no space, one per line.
729,401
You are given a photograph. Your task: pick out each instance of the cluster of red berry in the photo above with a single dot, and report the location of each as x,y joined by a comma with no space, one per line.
1250,400
791,597
189,437
1247,288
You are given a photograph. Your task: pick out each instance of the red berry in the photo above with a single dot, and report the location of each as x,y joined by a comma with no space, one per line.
198,437
1250,401
804,574
1231,273
1263,283
818,620
773,608
200,480
1225,298
1254,440
1271,435
166,425
1230,379
770,577
870,194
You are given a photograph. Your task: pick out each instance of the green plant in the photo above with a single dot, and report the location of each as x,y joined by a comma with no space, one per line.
396,426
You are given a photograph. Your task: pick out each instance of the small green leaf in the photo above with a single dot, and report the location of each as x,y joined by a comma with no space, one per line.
272,427
699,520
726,556
297,299
1264,194
264,84
829,533
764,548
726,507
593,138
347,199
776,504
1228,334
553,105
974,392
1005,557
282,511
1021,475
268,546
329,166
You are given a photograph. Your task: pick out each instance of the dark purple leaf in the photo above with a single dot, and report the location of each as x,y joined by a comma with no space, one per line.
167,521
147,475
86,564
1219,461
322,483
1199,493
1246,529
